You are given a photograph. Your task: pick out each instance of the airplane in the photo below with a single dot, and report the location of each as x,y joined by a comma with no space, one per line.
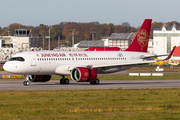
82,66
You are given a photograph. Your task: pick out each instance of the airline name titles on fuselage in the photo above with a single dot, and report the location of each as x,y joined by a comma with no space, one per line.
62,55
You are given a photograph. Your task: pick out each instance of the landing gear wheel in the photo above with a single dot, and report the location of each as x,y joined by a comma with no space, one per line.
96,82
64,81
26,83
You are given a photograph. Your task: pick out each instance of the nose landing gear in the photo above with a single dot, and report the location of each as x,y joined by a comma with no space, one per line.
26,82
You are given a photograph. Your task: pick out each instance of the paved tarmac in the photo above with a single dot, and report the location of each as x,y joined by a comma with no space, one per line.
17,84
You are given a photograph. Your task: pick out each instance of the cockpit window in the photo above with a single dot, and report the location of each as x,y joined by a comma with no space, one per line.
16,59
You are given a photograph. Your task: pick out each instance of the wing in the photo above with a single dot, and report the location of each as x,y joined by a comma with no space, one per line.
143,60
132,63
155,56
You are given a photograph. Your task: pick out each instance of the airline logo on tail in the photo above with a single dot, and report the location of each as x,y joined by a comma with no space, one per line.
140,42
143,38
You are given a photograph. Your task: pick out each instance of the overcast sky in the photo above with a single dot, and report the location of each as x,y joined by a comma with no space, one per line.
50,12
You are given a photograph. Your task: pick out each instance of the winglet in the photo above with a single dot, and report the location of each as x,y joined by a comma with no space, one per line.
170,53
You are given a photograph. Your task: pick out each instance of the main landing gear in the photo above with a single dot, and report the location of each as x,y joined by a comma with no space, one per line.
26,82
96,82
64,80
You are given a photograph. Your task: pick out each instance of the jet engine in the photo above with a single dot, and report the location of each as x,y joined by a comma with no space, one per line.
39,78
82,74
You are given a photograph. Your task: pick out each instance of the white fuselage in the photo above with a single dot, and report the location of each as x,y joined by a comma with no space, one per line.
60,62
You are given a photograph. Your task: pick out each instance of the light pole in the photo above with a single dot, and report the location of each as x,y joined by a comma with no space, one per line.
43,42
92,35
72,36
67,43
49,37
58,41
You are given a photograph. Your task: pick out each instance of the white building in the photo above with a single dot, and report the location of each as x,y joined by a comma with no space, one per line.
165,39
20,40
150,46
10,45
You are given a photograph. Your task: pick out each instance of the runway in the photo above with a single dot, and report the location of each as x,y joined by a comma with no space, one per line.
17,84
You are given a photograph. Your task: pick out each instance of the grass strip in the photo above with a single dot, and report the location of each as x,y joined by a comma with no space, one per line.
174,76
121,104
1,69
127,77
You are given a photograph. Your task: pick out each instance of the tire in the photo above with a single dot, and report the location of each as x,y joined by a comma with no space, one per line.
66,81
62,81
96,81
92,83
26,83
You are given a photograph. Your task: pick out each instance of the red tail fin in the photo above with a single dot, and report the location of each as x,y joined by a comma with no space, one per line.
140,42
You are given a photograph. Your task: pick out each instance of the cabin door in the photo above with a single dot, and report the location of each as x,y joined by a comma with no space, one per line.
33,60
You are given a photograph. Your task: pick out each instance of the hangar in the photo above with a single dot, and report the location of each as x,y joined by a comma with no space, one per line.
165,39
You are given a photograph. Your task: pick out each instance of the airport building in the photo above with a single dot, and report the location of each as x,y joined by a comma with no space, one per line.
10,45
150,46
20,40
165,39
122,40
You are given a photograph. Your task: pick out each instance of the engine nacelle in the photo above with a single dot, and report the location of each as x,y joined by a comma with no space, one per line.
82,74
39,78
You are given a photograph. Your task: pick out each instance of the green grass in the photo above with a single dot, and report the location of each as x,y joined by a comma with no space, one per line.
1,69
136,104
127,77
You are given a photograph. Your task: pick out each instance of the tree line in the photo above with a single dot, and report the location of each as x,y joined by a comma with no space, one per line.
82,30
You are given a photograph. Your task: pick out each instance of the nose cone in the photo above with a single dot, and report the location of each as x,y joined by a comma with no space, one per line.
6,67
